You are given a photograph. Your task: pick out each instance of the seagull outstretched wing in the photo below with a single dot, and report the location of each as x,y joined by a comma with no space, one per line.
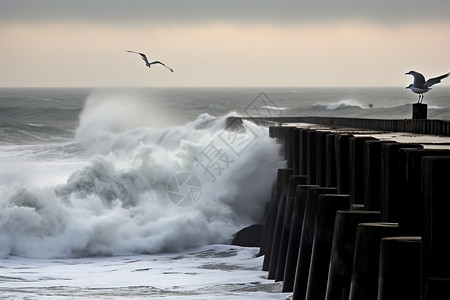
435,80
158,62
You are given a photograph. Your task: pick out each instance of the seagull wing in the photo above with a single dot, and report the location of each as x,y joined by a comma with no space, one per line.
419,79
435,80
158,62
143,56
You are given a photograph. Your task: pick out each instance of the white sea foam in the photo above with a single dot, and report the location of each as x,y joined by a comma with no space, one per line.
209,272
117,202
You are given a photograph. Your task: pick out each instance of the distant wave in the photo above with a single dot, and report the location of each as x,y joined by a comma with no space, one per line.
274,107
341,104
35,125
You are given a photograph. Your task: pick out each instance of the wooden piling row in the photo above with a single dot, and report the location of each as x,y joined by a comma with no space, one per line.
354,216
421,126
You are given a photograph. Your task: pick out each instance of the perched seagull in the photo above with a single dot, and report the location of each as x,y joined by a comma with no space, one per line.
420,86
147,63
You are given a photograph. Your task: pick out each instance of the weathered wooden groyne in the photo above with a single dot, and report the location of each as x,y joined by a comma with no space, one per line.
361,210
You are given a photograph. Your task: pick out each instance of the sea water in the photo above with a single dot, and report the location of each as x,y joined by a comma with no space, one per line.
136,193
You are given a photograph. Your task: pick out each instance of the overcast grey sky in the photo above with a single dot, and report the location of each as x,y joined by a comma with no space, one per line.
222,43
280,11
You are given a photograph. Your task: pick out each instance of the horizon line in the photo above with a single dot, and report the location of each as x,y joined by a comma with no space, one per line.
205,87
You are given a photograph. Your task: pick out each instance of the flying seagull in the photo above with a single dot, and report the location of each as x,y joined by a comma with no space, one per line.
147,63
420,86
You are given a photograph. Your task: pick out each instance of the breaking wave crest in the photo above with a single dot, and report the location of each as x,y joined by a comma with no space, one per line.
118,203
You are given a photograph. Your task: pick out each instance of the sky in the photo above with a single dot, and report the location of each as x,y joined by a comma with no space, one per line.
233,43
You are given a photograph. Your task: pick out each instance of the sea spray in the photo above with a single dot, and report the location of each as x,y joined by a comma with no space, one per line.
118,202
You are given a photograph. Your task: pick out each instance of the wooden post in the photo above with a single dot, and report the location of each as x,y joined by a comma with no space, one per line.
271,216
294,181
306,241
342,163
295,236
323,237
419,111
357,171
399,276
435,244
342,251
365,272
392,174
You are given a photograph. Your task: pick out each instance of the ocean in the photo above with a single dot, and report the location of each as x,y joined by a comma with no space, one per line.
136,192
